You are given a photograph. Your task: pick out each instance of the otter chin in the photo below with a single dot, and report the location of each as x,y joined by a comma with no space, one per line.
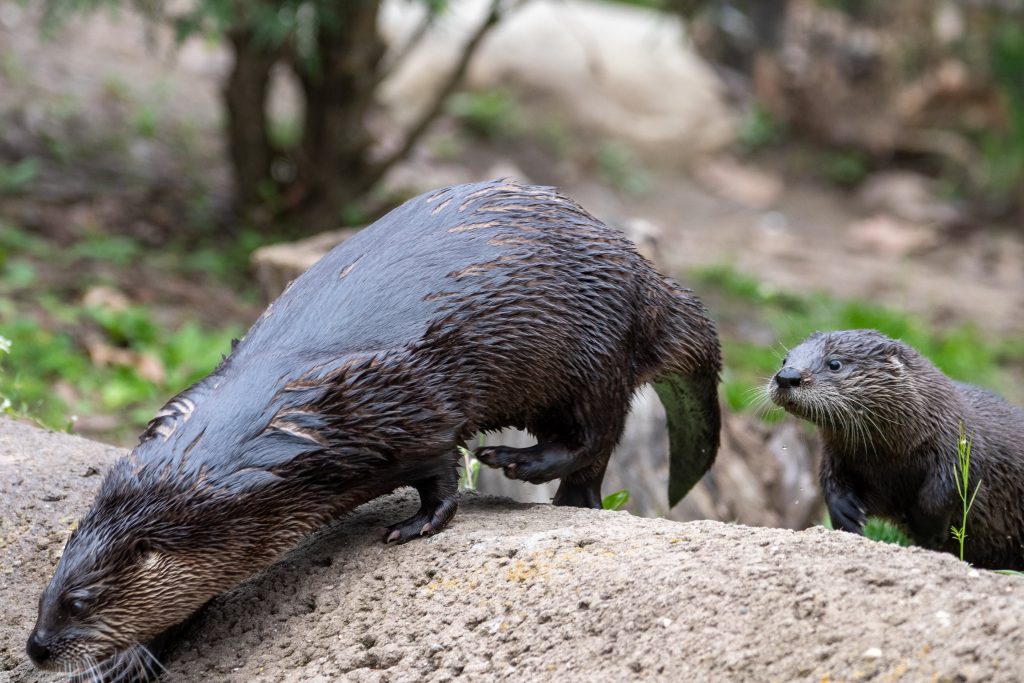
465,310
890,424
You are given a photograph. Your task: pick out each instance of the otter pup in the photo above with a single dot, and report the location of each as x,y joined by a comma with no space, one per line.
890,422
468,309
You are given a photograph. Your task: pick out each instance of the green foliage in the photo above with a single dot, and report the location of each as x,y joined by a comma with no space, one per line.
146,119
6,407
847,168
285,134
758,130
41,359
17,177
113,249
1003,151
470,471
961,477
489,114
620,168
878,529
615,501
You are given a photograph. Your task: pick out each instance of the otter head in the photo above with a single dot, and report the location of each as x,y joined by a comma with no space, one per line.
154,547
855,385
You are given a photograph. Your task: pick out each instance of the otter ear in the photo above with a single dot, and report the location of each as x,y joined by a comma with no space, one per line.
142,547
894,351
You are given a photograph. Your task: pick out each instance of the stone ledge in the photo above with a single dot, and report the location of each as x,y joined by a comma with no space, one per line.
533,592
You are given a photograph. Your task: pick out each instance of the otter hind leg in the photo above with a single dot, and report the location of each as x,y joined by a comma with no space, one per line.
439,499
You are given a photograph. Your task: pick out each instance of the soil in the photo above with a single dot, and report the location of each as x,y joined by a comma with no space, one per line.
534,592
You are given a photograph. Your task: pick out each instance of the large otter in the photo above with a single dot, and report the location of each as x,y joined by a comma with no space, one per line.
890,421
468,309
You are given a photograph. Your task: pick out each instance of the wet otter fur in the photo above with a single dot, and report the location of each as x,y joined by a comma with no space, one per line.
468,309
890,422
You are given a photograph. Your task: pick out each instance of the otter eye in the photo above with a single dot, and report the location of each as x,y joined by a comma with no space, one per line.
78,608
142,547
834,365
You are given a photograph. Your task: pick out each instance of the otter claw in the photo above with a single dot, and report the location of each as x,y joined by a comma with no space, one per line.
487,456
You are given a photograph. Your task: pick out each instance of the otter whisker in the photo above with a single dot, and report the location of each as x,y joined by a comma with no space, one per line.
124,665
160,668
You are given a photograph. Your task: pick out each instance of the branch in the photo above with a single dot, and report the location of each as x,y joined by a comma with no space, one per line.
432,110
399,56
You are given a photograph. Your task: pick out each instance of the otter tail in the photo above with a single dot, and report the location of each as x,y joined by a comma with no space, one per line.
686,381
691,406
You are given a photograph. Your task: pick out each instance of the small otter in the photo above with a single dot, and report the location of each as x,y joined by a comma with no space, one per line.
467,309
890,422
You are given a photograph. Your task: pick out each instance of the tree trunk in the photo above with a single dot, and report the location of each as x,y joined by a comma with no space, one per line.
245,96
333,163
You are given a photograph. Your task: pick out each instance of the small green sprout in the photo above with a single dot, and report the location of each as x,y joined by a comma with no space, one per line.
470,470
961,478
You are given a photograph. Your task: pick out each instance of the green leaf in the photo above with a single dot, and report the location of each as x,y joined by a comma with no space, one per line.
885,532
615,501
17,177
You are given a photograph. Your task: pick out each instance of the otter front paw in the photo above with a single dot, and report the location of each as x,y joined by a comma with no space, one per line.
847,512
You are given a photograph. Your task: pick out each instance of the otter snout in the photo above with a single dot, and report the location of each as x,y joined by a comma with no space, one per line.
788,377
37,650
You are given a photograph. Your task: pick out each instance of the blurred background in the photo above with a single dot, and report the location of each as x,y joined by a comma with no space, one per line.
167,167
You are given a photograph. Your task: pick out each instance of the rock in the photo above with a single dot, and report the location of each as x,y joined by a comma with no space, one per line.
623,72
890,237
534,592
907,196
739,183
278,264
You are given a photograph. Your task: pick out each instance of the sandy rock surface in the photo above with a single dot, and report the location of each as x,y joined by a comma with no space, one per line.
533,592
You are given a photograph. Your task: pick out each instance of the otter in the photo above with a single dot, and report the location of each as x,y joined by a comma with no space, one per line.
890,421
465,310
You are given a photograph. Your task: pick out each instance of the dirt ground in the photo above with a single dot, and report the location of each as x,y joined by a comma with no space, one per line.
533,592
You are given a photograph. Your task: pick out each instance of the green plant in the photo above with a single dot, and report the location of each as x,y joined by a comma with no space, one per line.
615,501
878,529
489,114
5,403
758,129
470,470
847,168
17,177
620,168
962,477
146,119
55,377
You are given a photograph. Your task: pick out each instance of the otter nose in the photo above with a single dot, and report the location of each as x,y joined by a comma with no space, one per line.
788,377
37,651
